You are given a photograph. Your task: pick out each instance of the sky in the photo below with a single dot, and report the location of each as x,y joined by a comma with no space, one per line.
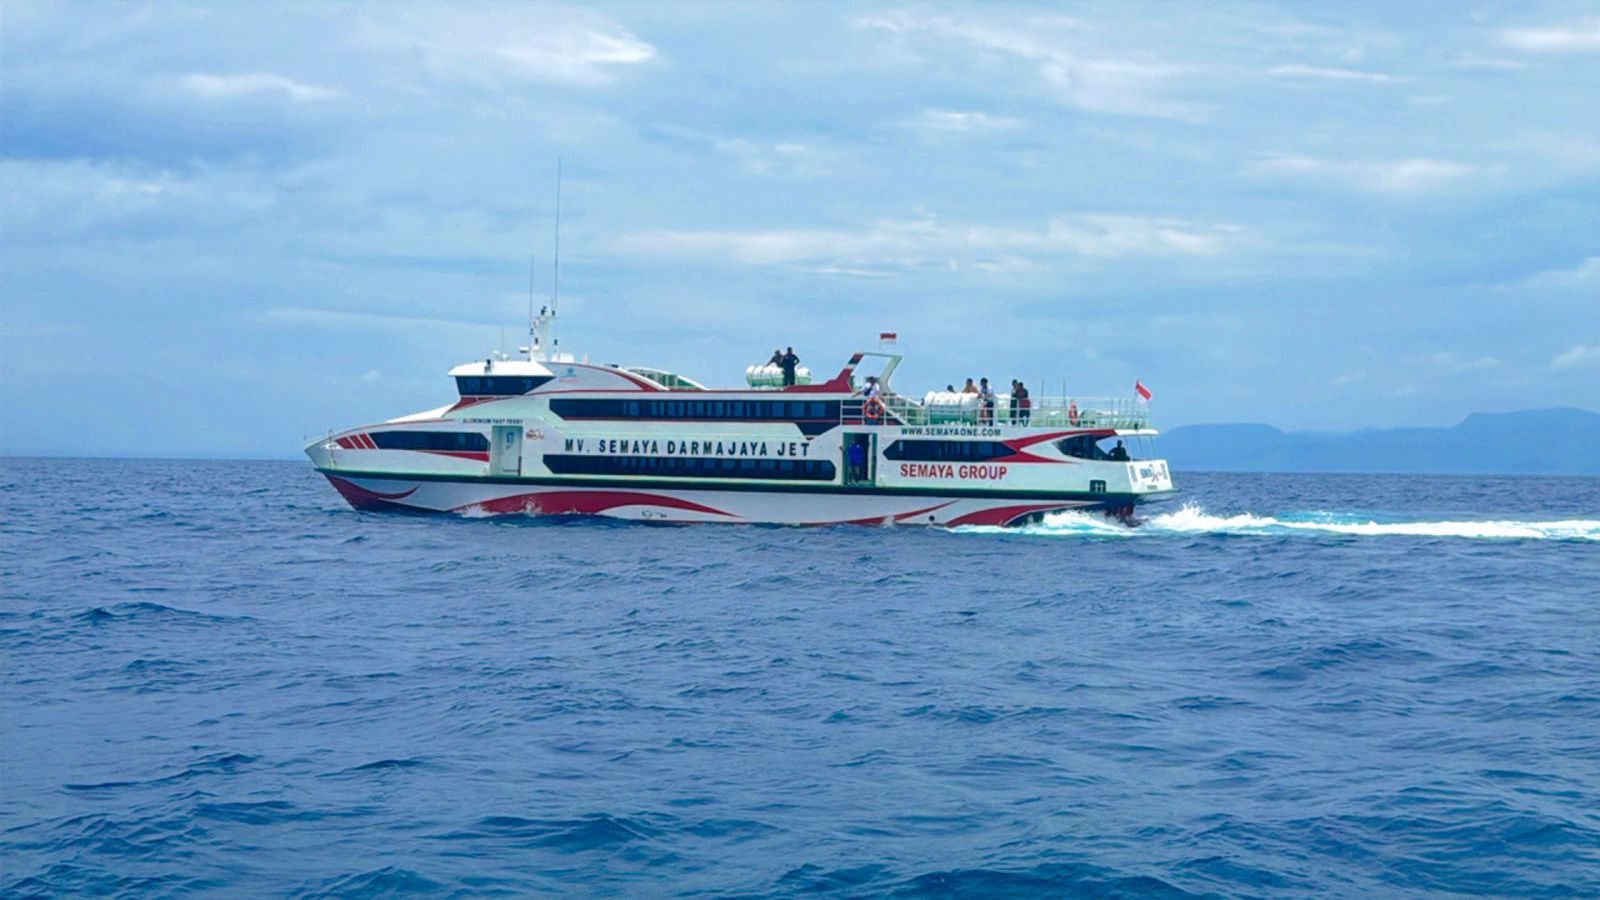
230,227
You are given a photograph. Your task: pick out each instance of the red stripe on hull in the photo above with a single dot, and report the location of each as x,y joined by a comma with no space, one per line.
878,520
1005,515
364,499
588,502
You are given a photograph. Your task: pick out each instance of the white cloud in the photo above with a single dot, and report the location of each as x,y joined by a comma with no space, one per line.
222,87
929,242
1302,71
1577,36
1455,365
329,318
1470,61
1052,46
1579,355
1399,176
949,121
1586,275
783,158
530,43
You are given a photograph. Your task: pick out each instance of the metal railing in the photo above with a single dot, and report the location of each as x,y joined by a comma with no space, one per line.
1067,412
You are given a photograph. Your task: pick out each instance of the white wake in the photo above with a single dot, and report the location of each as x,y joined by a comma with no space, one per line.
1193,520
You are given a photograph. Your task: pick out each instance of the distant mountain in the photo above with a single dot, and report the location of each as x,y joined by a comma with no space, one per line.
1532,442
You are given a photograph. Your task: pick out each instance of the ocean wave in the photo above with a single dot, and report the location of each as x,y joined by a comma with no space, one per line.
1194,520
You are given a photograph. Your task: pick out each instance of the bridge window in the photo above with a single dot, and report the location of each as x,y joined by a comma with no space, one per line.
507,385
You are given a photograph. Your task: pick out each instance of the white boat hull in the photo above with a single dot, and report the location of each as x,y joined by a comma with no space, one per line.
674,503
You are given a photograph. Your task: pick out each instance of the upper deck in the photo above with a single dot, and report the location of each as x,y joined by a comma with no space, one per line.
841,400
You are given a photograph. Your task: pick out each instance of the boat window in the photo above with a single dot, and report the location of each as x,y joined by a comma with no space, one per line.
948,451
690,467
447,441
486,385
716,411
1092,446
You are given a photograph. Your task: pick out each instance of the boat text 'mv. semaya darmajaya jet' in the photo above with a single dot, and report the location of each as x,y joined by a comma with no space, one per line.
549,434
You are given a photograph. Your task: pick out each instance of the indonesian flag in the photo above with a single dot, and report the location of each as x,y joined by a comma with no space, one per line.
1141,390
887,337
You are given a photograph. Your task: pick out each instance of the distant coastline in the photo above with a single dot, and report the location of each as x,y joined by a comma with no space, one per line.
1564,441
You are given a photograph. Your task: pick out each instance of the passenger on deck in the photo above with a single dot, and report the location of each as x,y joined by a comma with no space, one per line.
777,358
871,390
1024,402
985,402
788,363
969,387
949,389
858,462
1011,404
1118,453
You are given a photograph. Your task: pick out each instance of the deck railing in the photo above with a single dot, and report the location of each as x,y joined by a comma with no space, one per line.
1065,412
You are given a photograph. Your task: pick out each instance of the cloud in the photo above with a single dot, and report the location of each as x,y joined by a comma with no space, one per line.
1586,275
223,87
1399,176
932,243
1579,355
1577,36
1470,61
783,158
1455,365
1051,45
1301,71
530,43
329,318
949,121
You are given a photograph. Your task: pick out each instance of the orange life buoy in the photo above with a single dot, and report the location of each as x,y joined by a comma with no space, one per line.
1072,412
873,409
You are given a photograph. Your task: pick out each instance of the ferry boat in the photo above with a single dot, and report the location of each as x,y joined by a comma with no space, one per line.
548,434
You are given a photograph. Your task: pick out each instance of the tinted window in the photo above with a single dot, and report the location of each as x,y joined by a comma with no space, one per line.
458,441
948,451
690,467
506,385
718,410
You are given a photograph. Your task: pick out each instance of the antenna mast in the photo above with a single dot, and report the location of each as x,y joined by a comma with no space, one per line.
555,288
541,346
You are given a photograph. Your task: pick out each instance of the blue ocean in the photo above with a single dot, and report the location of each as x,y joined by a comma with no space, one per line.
220,680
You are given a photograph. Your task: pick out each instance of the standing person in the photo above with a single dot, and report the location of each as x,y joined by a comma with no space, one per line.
1024,402
777,358
985,402
858,462
969,387
1011,404
788,364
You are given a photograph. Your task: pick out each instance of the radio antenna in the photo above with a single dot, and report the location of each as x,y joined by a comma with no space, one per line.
533,261
555,288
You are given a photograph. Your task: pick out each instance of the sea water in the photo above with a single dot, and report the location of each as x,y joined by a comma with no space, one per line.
218,679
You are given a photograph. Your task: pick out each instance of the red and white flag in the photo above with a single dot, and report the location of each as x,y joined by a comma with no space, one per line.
1141,390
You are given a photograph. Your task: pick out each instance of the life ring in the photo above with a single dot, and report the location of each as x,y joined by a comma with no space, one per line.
1072,413
873,409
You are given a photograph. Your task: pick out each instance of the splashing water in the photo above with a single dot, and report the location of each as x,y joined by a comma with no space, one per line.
1192,520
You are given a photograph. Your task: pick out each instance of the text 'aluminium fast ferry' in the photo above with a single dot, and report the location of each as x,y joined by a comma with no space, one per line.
547,434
